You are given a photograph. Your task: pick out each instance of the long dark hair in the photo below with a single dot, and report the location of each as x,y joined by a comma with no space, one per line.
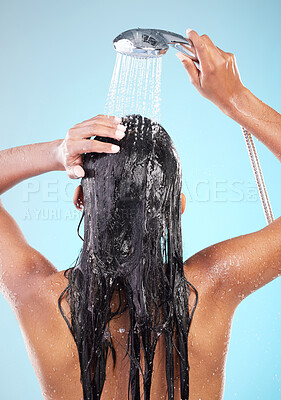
132,243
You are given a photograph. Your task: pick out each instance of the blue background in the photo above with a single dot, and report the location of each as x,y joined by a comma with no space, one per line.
56,64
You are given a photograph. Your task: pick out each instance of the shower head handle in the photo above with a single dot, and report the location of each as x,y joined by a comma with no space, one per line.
146,42
172,38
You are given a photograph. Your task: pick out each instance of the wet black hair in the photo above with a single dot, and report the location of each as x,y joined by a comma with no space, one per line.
132,243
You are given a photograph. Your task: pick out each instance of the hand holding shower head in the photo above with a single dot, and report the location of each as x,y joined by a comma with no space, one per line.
147,43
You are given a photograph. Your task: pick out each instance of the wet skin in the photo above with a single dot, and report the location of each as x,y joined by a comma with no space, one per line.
224,274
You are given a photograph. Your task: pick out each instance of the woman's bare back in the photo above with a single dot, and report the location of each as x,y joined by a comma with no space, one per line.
54,356
223,274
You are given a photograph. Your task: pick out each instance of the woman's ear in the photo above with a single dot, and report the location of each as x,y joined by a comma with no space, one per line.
78,198
183,202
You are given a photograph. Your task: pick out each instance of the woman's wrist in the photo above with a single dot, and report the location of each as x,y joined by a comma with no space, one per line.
232,105
237,103
56,152
24,162
257,117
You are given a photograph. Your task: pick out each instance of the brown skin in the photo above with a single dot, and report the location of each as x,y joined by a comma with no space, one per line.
223,274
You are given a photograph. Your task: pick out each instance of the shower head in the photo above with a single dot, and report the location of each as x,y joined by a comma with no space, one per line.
147,43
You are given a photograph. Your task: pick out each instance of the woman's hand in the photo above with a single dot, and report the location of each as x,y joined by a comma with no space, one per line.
77,142
216,77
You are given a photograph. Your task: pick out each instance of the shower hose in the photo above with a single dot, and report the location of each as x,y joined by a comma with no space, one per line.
258,175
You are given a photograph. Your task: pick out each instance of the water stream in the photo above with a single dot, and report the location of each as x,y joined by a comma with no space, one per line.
135,87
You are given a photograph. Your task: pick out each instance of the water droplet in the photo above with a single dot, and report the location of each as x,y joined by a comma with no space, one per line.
135,87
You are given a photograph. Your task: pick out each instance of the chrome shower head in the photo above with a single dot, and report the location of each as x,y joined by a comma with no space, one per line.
147,43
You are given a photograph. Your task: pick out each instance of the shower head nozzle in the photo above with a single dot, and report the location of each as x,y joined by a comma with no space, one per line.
146,43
